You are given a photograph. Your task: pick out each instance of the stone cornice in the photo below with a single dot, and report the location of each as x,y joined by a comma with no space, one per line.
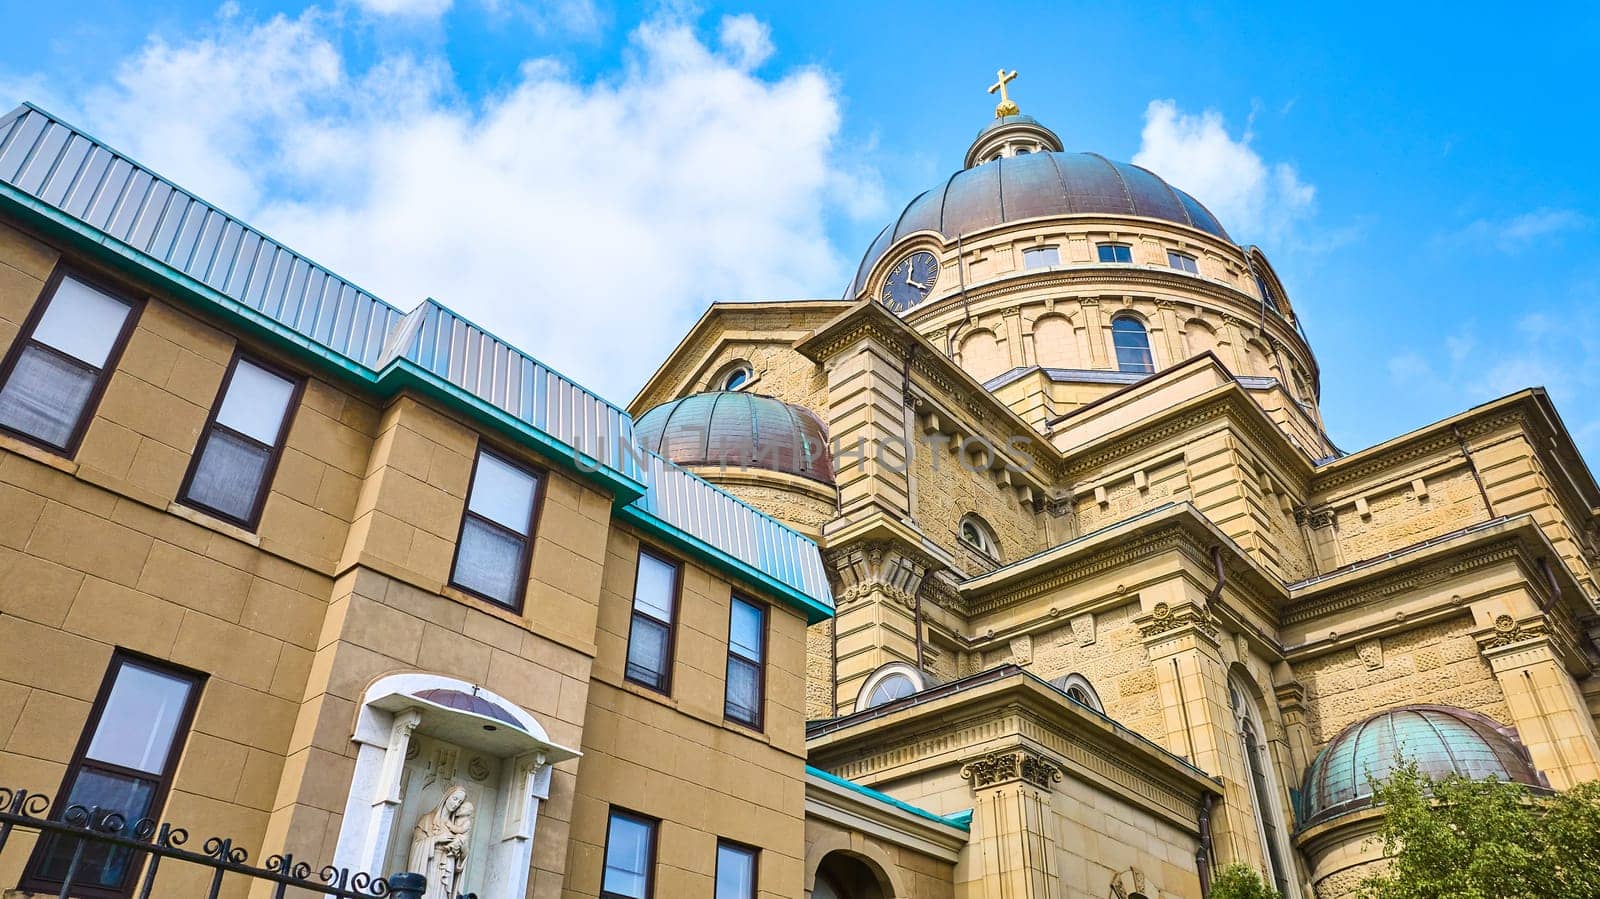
850,809
1014,712
1177,527
1228,401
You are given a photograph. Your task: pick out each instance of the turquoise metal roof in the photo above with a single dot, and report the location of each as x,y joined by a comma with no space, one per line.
961,820
1442,740
87,193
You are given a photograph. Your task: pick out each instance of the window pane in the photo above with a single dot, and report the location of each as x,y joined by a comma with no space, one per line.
100,864
736,872
256,402
743,701
82,322
654,587
627,857
1132,345
140,719
45,396
1041,257
891,688
489,561
647,652
744,631
502,493
1115,252
229,476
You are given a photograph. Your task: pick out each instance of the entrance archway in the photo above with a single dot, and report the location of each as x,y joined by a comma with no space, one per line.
843,875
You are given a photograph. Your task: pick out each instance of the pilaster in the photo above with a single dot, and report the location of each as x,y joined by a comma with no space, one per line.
1014,832
1549,711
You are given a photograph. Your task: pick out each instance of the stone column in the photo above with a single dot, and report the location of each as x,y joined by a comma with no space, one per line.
1547,708
1013,825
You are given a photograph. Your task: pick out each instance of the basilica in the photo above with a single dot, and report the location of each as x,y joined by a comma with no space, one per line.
1025,569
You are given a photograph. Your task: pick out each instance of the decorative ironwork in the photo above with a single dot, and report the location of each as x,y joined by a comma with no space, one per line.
1003,767
150,843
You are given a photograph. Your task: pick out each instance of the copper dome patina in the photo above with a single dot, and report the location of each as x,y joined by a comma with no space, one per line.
1442,740
1037,185
739,430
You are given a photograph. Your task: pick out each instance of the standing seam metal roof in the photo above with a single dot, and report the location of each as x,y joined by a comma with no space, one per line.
85,186
1038,185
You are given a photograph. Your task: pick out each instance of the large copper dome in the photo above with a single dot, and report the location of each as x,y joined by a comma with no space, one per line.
1442,740
738,430
1036,185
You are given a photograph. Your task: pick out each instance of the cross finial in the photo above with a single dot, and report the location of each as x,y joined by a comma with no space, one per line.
1006,107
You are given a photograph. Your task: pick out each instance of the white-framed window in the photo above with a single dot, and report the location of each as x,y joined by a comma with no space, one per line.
1263,783
895,680
1079,690
1041,257
737,377
1183,262
976,533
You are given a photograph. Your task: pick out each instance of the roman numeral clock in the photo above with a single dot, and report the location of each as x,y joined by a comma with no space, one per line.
910,281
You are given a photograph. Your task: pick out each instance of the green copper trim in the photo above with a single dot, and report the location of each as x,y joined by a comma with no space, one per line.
960,820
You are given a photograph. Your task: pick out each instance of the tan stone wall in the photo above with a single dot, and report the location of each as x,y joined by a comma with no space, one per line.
1099,836
1437,663
1107,650
1392,515
675,758
946,491
779,370
819,670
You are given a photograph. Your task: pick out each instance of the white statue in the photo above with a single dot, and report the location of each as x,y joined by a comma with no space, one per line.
439,844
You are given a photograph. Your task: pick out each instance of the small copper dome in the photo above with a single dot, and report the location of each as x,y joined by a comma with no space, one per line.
735,429
1442,740
469,702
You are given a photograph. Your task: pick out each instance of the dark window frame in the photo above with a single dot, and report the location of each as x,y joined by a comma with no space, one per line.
31,881
759,724
1113,245
535,512
274,452
672,626
617,811
24,339
755,865
1149,349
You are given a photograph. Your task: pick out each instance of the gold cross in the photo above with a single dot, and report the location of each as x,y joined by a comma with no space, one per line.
1005,107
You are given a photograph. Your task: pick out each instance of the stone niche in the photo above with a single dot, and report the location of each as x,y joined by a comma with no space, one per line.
423,738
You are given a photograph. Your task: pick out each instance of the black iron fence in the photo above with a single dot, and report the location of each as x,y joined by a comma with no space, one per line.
93,852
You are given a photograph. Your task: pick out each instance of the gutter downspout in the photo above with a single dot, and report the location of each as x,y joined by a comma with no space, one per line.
1222,576
1472,466
1202,855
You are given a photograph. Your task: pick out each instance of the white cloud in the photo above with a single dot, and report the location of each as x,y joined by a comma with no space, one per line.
1518,232
1195,152
587,221
413,9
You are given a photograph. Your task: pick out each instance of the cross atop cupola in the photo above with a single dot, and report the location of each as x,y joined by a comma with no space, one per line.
1006,106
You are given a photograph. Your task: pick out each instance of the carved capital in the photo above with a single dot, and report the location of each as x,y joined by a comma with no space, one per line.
1005,767
1165,620
1508,631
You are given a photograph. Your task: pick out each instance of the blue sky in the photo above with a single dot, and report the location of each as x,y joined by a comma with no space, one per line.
584,177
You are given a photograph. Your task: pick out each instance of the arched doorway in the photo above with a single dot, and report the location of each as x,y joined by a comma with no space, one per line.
845,876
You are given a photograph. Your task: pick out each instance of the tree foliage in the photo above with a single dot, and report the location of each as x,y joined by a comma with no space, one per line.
1458,838
1238,881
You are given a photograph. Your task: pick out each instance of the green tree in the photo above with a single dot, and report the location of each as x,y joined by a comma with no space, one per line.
1238,881
1458,838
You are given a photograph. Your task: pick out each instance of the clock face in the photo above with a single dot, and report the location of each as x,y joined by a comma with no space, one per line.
910,281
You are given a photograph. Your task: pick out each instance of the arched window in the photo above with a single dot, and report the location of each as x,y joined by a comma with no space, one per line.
1079,690
976,533
736,376
1263,783
895,680
1132,344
